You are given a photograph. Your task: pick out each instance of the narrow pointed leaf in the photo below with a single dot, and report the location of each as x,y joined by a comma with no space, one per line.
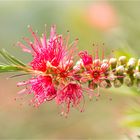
18,75
9,68
11,58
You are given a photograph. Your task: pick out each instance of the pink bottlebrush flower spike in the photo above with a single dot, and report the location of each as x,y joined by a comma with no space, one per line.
56,75
71,94
94,70
52,70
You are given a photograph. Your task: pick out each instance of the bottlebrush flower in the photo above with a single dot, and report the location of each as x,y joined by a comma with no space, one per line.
52,50
95,72
42,88
52,68
71,94
86,58
56,75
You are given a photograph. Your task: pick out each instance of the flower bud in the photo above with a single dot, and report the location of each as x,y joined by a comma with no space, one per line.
113,62
128,81
105,61
108,84
117,83
105,84
92,85
137,75
97,62
120,69
138,83
138,62
104,66
138,65
122,60
111,77
131,63
78,65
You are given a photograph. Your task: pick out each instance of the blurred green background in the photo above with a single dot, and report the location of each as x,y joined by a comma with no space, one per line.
114,23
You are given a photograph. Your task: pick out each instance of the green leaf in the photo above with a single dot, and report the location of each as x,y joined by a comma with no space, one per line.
11,58
9,68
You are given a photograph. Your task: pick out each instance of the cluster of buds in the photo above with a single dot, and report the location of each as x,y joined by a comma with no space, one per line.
125,71
106,73
57,75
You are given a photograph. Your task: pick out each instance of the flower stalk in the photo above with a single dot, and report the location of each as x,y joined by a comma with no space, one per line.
57,75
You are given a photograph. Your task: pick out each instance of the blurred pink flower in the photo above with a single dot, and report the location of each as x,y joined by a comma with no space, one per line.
102,15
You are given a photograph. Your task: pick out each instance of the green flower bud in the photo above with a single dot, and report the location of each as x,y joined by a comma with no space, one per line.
138,62
105,61
117,83
113,62
105,84
138,83
120,69
131,63
129,81
137,75
138,65
122,60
